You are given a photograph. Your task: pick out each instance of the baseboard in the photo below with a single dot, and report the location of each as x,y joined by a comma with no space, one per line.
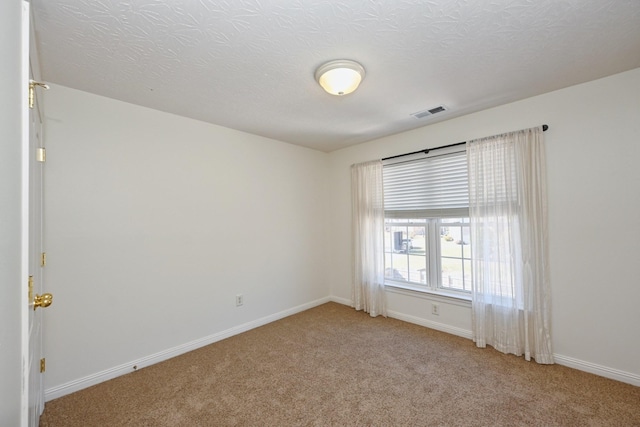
116,371
581,365
342,301
603,371
416,320
431,324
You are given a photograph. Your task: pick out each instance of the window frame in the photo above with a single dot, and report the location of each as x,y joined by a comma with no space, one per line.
433,256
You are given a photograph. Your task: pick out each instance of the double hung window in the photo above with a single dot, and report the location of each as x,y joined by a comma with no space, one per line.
427,222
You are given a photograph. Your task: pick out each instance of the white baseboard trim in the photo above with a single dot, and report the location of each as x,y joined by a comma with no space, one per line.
581,365
603,371
431,324
116,371
342,301
415,320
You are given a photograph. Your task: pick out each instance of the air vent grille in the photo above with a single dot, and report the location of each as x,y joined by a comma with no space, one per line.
430,112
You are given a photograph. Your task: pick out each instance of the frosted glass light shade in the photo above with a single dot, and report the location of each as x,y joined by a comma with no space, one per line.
340,77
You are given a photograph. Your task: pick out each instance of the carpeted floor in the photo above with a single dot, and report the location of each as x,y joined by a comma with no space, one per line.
333,366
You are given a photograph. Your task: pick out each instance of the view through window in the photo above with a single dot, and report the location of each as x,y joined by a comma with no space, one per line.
432,252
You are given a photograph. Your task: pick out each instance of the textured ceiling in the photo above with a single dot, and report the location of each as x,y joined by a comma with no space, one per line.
249,64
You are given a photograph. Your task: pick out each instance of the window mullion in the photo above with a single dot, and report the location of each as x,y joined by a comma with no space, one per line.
437,253
434,253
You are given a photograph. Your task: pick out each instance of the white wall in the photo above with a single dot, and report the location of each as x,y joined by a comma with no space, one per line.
155,222
593,157
10,250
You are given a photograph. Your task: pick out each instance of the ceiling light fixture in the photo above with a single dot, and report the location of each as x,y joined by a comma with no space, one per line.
340,77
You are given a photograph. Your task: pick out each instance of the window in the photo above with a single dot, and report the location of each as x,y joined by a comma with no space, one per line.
455,254
426,222
432,252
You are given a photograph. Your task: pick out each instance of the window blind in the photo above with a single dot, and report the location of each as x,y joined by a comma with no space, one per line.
430,187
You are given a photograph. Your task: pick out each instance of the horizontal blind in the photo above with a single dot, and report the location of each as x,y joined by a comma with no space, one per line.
431,187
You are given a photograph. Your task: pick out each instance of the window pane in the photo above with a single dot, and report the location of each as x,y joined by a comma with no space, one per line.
452,276
400,270
467,275
449,247
455,237
418,268
419,243
399,239
466,247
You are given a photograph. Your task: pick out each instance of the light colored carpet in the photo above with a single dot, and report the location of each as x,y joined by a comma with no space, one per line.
333,366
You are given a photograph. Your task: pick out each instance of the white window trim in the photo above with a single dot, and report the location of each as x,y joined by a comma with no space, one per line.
463,300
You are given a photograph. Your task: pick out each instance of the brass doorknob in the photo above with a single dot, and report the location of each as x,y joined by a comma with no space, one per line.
43,301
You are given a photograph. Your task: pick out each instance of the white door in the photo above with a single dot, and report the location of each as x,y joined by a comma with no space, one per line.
32,193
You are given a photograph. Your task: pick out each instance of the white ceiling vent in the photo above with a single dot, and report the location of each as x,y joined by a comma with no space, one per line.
430,112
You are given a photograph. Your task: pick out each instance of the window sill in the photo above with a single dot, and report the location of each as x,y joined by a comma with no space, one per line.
420,292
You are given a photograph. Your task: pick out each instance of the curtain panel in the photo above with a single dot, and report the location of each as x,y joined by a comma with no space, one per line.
511,303
367,292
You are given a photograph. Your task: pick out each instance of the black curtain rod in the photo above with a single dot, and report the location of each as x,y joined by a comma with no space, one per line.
427,150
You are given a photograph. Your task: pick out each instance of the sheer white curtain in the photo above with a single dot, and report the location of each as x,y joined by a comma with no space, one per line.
368,238
510,267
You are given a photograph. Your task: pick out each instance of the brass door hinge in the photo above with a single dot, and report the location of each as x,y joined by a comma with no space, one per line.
30,289
41,154
43,259
32,90
31,95
43,365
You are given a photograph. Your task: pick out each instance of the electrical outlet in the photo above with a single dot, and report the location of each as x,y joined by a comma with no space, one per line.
239,300
435,309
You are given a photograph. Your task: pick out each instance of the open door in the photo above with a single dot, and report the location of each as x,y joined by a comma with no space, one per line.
34,257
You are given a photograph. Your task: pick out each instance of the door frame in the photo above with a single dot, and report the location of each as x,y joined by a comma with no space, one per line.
32,396
24,212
